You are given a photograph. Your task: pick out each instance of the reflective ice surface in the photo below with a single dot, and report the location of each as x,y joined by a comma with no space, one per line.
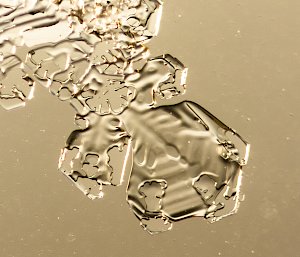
185,162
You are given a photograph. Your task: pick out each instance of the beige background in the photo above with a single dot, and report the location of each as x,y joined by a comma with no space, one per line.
244,67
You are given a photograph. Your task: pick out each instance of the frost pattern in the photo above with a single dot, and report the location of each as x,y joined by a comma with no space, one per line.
185,162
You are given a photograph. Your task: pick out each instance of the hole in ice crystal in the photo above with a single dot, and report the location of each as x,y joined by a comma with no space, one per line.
180,160
153,192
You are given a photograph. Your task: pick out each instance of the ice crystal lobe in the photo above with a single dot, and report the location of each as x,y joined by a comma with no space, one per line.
184,161
123,21
86,159
16,87
161,78
185,140
17,74
103,36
